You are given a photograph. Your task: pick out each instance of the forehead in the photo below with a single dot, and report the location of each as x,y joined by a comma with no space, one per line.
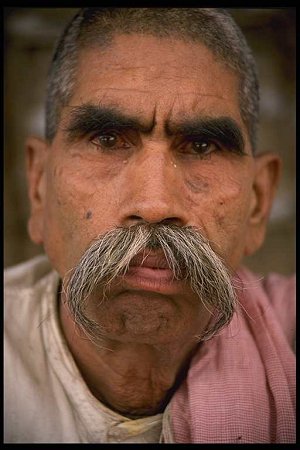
147,73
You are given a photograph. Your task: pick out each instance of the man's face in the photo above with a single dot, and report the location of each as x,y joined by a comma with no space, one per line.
152,132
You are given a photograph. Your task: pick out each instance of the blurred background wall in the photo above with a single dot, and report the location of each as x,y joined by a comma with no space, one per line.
30,34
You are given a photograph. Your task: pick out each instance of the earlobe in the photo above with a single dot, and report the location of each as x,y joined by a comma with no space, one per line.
36,153
266,178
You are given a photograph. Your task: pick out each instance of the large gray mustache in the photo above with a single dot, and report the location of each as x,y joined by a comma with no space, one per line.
187,252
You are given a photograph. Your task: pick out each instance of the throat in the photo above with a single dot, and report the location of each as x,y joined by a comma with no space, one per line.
134,383
135,403
134,379
135,397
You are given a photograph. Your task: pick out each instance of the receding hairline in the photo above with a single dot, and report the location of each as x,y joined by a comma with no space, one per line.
116,38
105,38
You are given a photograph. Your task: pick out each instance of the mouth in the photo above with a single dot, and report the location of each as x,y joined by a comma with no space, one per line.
151,272
150,260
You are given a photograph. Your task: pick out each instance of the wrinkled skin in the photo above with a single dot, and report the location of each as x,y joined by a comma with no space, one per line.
80,187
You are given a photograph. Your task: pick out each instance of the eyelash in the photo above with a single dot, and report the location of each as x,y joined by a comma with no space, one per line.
200,151
108,134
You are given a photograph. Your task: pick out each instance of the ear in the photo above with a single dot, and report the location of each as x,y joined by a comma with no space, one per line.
36,154
266,178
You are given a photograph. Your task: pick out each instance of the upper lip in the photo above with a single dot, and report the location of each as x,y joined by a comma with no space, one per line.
150,260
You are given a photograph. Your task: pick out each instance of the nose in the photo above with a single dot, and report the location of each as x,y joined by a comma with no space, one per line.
152,190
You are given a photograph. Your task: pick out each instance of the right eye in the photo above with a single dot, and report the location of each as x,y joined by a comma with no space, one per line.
109,141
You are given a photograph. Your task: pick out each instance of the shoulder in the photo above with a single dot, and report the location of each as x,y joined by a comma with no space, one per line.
281,290
34,397
276,291
26,274
25,286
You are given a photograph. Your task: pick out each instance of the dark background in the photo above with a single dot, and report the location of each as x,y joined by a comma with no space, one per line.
30,34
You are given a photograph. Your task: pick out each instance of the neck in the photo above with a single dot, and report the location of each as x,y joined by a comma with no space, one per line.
133,379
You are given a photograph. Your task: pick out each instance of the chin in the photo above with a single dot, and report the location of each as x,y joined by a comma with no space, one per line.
141,318
148,327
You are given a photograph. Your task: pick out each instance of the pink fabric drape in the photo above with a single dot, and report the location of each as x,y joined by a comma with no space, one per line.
241,384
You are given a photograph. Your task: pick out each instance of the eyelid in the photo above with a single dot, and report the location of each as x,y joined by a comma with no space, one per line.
98,133
210,143
123,139
221,141
183,140
121,133
107,133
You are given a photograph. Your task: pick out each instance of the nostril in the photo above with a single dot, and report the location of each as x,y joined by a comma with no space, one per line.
172,221
135,219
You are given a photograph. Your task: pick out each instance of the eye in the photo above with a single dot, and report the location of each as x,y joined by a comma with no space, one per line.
109,140
201,147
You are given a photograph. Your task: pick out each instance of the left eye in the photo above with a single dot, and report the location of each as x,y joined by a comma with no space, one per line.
202,147
108,141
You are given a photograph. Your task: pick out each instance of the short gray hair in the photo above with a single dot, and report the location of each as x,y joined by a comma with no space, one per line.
214,27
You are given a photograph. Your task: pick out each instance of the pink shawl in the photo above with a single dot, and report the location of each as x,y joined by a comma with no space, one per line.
241,384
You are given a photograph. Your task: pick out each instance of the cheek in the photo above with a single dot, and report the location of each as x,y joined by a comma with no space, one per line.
215,195
82,189
221,209
197,193
229,206
75,212
230,215
197,185
66,200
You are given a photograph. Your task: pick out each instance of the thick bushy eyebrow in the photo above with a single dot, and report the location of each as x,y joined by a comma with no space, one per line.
223,130
88,118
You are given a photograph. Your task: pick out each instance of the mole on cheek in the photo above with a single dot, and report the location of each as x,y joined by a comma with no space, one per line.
88,215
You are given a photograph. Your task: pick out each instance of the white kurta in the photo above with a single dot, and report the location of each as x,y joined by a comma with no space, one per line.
46,399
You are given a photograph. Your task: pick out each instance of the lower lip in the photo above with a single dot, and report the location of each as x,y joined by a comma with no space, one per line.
156,280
